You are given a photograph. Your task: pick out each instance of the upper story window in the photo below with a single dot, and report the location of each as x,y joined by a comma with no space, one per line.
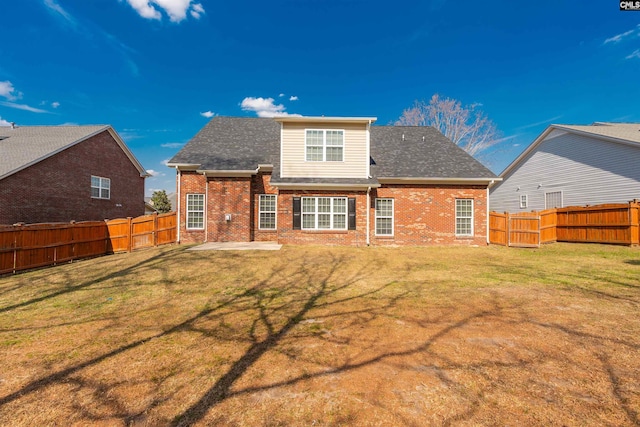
100,187
524,201
324,145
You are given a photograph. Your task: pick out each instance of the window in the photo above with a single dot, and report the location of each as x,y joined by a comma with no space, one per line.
267,212
195,211
384,217
324,145
324,213
100,187
464,217
523,201
553,200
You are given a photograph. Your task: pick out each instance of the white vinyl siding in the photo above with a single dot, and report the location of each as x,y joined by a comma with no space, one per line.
349,160
588,171
267,212
384,217
195,211
100,187
464,217
324,213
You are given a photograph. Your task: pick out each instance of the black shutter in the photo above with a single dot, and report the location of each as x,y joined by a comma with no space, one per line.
352,214
296,213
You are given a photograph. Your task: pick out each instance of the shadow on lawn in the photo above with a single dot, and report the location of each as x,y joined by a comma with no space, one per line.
278,303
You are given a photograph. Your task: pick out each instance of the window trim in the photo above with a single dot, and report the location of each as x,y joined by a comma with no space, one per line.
332,213
101,187
190,211
524,201
393,214
274,212
471,218
324,144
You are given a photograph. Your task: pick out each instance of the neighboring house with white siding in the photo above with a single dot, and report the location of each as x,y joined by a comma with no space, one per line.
571,165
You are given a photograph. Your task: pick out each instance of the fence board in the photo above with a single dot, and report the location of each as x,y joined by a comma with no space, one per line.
37,245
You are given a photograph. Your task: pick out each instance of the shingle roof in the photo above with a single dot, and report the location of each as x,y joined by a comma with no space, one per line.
25,145
232,143
626,131
235,143
423,153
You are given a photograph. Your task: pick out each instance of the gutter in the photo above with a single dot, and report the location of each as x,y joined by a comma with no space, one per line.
487,220
178,207
368,214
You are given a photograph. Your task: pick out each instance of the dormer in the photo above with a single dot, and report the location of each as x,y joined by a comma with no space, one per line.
325,147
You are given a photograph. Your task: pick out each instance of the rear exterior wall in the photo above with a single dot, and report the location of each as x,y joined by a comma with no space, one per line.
58,189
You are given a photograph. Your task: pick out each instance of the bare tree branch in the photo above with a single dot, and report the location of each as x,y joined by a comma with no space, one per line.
466,126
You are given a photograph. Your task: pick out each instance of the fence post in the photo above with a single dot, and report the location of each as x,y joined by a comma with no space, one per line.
130,236
155,229
17,243
634,222
506,227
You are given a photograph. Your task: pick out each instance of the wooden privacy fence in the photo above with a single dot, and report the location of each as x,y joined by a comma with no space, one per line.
38,245
612,223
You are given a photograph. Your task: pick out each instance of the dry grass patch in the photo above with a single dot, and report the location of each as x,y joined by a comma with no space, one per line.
326,336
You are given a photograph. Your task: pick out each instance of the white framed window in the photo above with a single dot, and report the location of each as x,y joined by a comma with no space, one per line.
553,200
324,145
100,187
384,217
464,217
324,213
267,212
524,201
195,211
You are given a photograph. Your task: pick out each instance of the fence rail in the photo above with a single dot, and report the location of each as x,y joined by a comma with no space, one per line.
38,245
611,223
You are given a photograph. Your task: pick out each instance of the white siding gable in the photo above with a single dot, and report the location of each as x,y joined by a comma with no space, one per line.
588,171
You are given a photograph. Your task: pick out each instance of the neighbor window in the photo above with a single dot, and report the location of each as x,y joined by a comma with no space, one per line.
523,201
100,187
553,200
324,145
324,213
267,212
384,217
195,211
464,217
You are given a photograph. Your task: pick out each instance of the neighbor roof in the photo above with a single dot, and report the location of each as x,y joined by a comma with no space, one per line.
23,146
243,143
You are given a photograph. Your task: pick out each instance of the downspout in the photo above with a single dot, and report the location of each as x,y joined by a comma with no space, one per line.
368,212
488,217
206,207
178,207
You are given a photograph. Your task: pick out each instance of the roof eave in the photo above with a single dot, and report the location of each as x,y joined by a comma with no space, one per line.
363,120
227,173
436,180
185,166
323,186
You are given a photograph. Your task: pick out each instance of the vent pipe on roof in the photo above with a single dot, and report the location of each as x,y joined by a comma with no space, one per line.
13,125
423,139
403,136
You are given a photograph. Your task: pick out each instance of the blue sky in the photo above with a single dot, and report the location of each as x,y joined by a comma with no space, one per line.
158,70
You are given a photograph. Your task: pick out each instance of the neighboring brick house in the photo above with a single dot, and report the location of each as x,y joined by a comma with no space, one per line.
65,173
328,180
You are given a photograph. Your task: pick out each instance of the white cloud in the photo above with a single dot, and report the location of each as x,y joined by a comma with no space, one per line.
175,9
532,125
3,122
264,107
293,98
55,104
154,173
208,114
635,54
23,107
165,162
59,11
618,37
8,91
281,95
172,145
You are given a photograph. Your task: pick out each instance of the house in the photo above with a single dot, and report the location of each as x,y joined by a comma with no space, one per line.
571,165
328,180
65,173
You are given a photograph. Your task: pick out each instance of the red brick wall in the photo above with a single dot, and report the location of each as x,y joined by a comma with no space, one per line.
58,189
423,215
190,183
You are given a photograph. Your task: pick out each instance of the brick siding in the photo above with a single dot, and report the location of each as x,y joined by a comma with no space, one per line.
423,214
58,189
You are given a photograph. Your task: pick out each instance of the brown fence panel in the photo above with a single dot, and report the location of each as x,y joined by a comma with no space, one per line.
610,223
548,223
498,228
119,235
90,239
8,236
143,230
167,228
524,229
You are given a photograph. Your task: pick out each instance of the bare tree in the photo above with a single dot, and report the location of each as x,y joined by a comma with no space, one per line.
464,125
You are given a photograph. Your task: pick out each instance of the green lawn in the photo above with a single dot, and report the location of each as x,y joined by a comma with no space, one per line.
326,336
